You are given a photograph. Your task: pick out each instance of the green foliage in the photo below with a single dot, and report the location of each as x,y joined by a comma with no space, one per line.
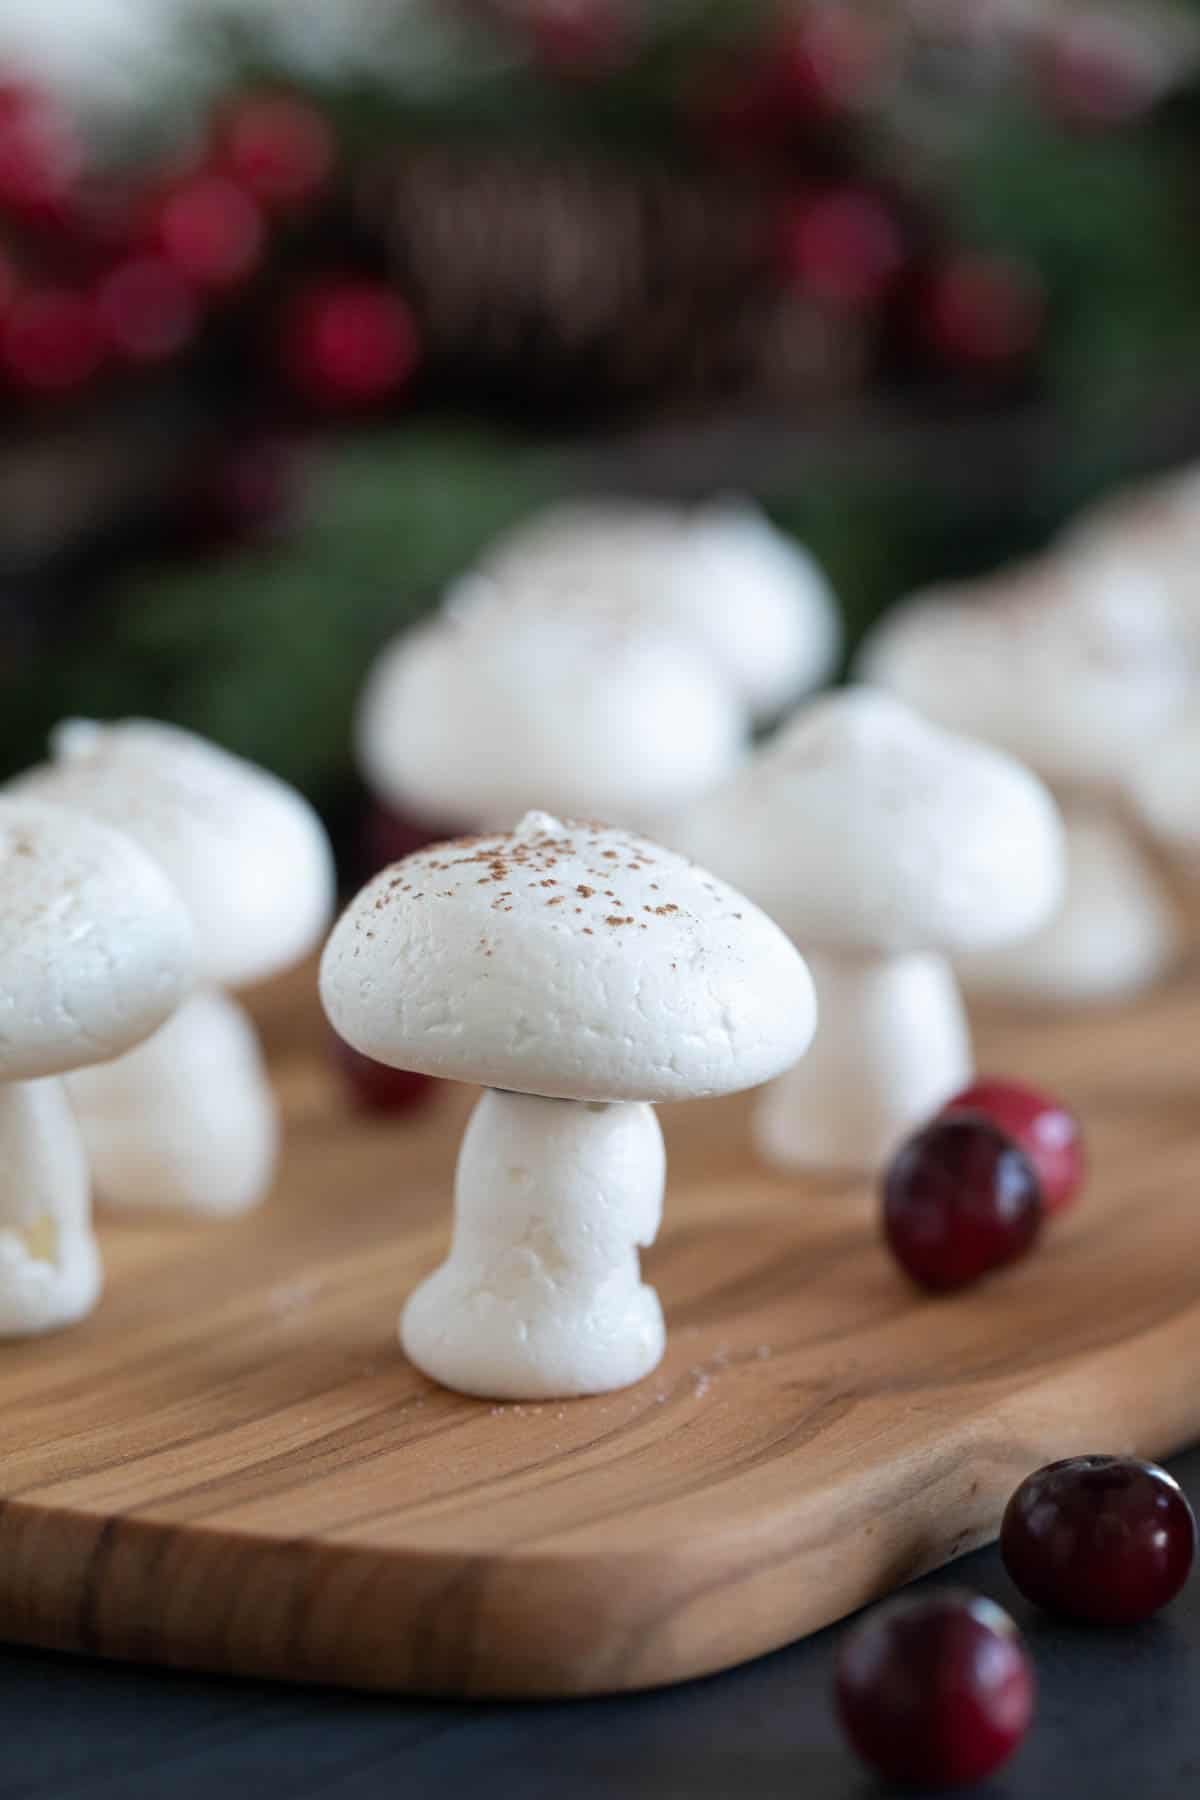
265,650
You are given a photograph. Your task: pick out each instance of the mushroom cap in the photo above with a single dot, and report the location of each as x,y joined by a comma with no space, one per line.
1068,662
246,852
751,597
862,828
1164,786
96,947
574,961
583,708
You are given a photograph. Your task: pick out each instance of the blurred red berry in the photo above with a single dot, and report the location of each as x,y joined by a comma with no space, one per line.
348,344
40,154
1100,68
278,149
845,247
211,230
984,310
51,341
388,834
239,496
580,39
827,61
147,310
373,1087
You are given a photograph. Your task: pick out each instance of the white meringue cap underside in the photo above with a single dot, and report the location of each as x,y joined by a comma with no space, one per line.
96,947
569,960
246,852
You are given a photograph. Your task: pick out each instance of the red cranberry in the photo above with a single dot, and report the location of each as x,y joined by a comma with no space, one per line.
278,148
211,229
243,494
581,39
389,834
40,154
935,1689
1047,1133
1099,68
984,311
828,60
348,344
50,341
1105,1539
845,247
960,1199
147,309
375,1088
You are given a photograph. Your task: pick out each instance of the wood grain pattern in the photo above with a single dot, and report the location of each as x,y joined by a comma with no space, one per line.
232,1467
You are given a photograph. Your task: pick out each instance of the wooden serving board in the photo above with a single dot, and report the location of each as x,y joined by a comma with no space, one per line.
232,1467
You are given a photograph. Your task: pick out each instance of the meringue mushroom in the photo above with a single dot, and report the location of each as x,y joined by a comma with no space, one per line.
584,707
882,845
1164,787
95,951
1154,523
1070,663
720,575
188,1121
580,974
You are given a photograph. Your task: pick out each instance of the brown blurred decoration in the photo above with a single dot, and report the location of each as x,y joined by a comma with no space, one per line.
592,287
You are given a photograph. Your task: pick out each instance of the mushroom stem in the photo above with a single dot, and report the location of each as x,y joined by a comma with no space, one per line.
1116,933
891,1046
187,1121
50,1270
541,1296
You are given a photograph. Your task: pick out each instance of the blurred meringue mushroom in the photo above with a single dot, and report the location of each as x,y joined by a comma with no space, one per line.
188,1122
1156,524
720,575
580,974
584,707
95,952
883,845
1164,788
1071,663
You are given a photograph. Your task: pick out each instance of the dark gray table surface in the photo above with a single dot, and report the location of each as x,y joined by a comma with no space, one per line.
1119,1716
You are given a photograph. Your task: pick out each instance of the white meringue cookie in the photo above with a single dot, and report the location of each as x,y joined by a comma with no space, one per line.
562,963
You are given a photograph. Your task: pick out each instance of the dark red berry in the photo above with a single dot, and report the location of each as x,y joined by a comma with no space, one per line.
389,834
1042,1126
278,148
211,230
581,39
242,494
1101,68
40,154
51,341
348,344
984,311
1105,1539
828,60
959,1199
375,1088
845,247
146,308
935,1689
